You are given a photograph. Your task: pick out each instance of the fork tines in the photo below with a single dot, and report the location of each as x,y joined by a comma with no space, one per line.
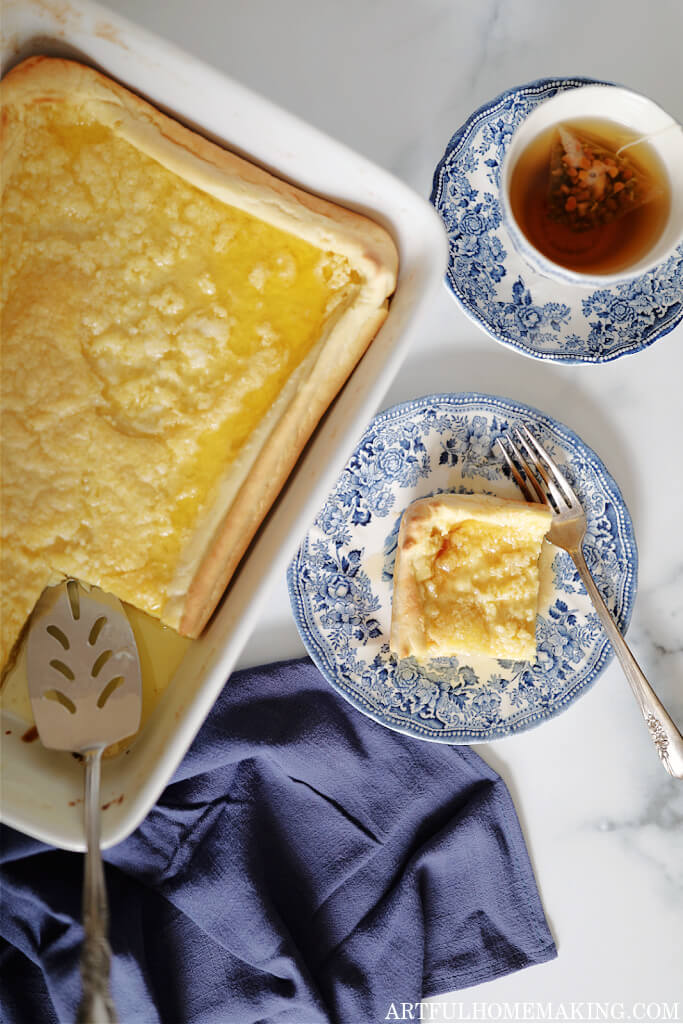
531,464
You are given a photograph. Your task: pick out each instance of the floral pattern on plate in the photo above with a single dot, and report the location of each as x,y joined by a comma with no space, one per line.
498,289
340,582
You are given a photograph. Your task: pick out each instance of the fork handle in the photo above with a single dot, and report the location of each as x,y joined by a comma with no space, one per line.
97,1006
665,735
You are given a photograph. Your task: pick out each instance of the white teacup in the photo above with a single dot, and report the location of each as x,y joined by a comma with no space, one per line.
636,113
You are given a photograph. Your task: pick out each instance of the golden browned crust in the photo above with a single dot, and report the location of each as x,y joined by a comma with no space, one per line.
226,532
407,621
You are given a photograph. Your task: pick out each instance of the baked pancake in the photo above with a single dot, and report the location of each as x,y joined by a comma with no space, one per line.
466,577
175,321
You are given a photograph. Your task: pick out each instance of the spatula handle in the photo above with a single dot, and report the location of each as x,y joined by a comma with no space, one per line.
97,1006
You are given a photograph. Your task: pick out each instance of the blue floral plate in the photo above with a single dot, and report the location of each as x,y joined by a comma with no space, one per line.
340,582
497,288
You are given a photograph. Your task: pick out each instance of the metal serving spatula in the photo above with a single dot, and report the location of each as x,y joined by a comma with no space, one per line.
85,688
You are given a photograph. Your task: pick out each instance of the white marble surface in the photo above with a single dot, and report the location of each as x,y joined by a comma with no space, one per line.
393,79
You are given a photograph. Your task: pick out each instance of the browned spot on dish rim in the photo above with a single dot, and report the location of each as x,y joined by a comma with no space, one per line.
105,30
118,800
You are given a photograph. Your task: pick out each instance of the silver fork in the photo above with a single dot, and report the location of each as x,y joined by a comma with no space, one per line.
567,530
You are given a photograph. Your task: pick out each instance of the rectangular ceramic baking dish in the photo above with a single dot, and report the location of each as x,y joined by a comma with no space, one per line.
42,790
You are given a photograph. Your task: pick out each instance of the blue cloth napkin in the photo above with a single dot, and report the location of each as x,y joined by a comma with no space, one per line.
305,865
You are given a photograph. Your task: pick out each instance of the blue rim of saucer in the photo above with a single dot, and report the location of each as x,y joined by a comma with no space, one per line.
605,314
331,663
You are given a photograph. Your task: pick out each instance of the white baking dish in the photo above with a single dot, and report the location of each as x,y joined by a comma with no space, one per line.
42,790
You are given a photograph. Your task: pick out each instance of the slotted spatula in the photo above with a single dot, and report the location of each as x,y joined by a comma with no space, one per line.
85,688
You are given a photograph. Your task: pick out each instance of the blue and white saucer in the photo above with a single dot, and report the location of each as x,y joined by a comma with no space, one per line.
340,582
494,285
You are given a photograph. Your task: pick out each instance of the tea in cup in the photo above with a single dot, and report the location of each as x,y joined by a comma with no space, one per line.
592,186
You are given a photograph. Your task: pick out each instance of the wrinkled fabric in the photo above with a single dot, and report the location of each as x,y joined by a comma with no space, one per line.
305,865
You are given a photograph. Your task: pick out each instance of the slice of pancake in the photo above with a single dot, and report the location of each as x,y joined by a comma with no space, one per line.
466,578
